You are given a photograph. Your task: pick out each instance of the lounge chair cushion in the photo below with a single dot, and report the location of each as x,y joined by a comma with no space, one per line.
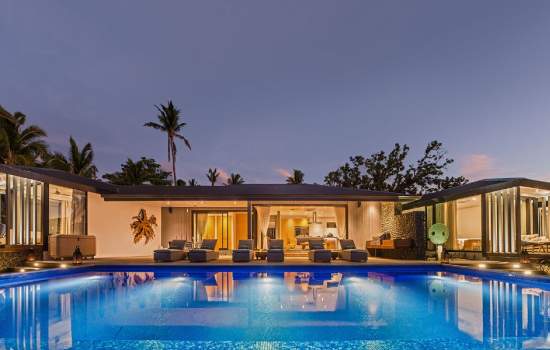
347,244
164,255
242,255
320,255
355,255
246,244
209,244
316,243
275,244
275,255
177,244
202,255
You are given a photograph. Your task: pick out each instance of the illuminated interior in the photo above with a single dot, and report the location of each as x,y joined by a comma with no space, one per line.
228,227
463,218
3,210
67,211
295,224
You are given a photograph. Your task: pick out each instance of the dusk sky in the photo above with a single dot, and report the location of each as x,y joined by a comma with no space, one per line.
270,86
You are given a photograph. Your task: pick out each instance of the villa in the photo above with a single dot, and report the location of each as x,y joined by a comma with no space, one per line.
495,218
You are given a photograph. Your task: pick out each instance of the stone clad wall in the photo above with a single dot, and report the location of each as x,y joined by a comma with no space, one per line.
403,226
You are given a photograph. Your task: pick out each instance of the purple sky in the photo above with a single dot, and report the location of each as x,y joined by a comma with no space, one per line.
269,86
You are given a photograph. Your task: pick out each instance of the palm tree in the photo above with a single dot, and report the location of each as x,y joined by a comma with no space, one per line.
212,175
80,162
297,177
192,183
20,145
181,183
144,171
235,179
169,122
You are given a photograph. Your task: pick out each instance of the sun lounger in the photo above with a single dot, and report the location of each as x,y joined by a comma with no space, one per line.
174,252
350,253
275,252
244,253
317,251
205,253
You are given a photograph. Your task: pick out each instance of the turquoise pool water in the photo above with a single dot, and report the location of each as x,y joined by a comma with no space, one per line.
275,309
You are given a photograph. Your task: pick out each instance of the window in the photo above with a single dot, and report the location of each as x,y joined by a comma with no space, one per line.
24,205
463,219
67,211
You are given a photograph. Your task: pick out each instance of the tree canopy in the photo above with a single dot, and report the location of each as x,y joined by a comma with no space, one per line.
297,177
80,161
144,171
383,171
20,144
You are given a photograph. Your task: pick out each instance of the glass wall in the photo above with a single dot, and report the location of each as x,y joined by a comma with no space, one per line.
296,223
501,221
24,205
535,219
3,210
67,211
228,227
463,218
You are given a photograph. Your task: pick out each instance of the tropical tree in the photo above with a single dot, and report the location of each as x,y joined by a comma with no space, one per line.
212,175
170,123
144,171
192,183
389,172
296,178
20,144
235,179
80,161
181,183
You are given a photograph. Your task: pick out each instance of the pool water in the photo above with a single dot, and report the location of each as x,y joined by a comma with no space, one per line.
276,309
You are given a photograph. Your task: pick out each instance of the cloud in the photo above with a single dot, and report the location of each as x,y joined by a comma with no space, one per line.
283,172
223,176
477,166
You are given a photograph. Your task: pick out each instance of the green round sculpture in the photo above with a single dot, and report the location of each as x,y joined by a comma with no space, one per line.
438,234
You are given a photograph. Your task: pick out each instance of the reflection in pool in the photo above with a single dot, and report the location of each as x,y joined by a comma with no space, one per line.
284,309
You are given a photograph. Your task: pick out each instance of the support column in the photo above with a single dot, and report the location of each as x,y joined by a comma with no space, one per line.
45,215
249,218
518,220
484,237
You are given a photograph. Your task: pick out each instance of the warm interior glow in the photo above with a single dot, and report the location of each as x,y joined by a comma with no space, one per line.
482,266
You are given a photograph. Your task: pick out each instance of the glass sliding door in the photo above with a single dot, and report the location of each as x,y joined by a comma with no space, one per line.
228,227
67,209
24,205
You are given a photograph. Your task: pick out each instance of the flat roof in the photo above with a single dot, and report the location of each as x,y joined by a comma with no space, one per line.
475,188
234,192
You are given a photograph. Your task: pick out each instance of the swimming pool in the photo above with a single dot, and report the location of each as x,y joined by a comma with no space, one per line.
371,307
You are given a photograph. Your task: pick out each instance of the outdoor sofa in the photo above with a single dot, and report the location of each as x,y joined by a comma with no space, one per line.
205,253
174,252
275,251
350,253
244,252
317,251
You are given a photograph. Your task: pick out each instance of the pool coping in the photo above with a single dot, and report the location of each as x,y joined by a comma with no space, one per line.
18,278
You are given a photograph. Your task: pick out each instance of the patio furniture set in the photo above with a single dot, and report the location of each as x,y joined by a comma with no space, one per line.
245,252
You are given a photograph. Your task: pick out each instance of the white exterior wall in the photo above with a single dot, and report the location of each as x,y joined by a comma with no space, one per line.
110,222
